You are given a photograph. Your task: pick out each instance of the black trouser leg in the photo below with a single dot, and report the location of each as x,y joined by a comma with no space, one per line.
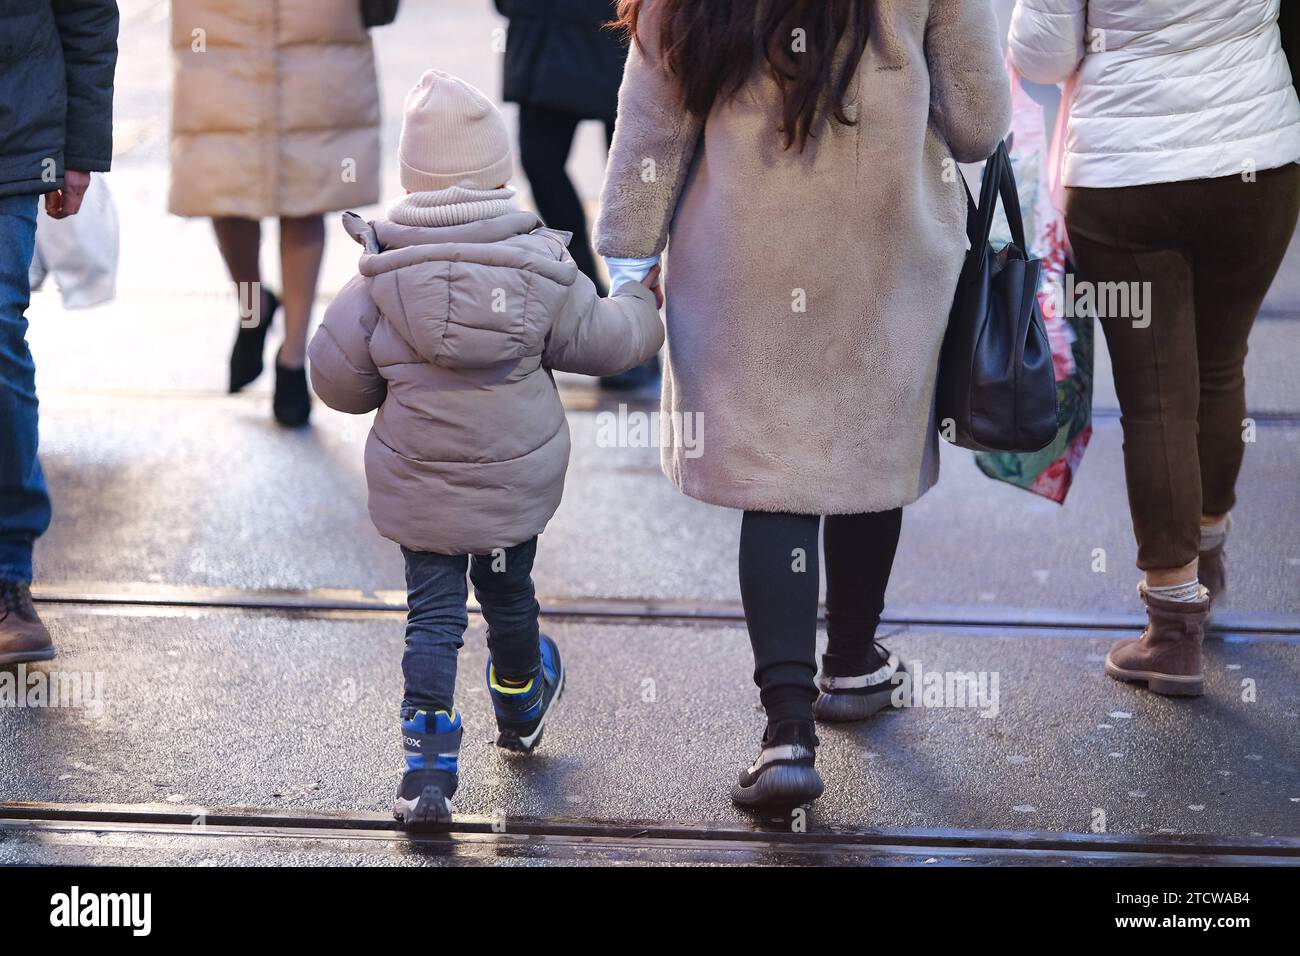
859,558
779,585
545,140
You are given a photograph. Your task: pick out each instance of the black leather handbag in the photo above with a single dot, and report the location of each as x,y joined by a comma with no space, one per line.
997,388
378,13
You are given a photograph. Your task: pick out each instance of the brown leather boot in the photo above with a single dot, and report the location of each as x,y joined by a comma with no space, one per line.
1168,654
22,635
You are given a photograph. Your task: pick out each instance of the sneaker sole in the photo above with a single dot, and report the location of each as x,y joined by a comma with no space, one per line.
27,657
848,707
429,808
780,786
1169,685
509,740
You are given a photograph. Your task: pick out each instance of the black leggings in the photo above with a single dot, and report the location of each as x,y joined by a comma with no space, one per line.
779,586
545,139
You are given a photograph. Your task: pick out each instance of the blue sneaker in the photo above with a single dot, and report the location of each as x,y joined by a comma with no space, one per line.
522,711
432,745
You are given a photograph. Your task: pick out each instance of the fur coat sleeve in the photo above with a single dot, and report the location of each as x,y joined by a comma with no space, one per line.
969,94
654,144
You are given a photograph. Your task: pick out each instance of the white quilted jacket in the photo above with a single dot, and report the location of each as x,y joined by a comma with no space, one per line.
1167,90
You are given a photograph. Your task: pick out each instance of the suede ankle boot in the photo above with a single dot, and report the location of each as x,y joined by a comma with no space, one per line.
1167,657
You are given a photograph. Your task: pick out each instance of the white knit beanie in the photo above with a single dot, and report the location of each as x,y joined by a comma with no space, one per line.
452,135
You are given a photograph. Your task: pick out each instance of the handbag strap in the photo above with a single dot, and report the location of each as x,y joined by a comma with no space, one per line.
979,219
998,180
1011,200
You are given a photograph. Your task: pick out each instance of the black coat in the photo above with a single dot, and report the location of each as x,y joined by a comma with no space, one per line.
56,91
1289,23
560,56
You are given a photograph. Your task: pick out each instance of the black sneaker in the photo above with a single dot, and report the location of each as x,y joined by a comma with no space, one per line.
784,774
522,711
859,696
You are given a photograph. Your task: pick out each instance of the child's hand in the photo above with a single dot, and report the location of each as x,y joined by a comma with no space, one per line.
651,282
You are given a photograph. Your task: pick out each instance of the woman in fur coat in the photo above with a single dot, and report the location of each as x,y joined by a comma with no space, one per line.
797,159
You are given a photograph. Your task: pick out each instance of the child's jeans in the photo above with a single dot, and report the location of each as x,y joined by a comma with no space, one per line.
437,618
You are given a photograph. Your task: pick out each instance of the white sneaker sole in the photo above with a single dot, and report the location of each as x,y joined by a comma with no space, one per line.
422,810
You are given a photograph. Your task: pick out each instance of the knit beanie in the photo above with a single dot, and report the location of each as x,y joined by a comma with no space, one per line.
452,135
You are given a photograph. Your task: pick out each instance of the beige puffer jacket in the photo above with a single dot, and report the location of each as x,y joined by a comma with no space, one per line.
450,332
275,108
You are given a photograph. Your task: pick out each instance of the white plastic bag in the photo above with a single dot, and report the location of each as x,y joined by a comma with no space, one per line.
80,251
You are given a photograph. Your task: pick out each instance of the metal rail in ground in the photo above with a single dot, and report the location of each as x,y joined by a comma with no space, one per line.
611,836
357,602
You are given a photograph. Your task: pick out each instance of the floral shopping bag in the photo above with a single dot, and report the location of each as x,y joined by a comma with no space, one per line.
1051,471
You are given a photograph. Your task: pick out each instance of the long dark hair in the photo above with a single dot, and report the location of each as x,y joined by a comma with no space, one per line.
711,48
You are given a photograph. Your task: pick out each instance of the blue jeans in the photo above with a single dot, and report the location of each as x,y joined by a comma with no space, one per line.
24,500
436,620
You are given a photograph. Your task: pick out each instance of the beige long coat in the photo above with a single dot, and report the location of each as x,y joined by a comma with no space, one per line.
275,108
808,294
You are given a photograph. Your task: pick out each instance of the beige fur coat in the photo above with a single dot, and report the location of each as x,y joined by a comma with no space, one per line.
808,293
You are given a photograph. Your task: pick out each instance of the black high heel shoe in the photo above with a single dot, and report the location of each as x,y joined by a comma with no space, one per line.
246,357
292,402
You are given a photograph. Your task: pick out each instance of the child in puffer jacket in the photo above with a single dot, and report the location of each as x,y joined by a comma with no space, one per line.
463,307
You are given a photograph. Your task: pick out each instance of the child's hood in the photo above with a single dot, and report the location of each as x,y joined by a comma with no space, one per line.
467,296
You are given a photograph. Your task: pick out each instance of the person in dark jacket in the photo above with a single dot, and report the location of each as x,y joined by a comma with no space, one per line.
57,59
1288,22
564,65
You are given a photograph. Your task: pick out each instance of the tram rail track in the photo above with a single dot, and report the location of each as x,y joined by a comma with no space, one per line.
353,602
614,835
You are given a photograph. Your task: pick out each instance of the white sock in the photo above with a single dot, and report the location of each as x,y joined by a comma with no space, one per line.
1188,593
